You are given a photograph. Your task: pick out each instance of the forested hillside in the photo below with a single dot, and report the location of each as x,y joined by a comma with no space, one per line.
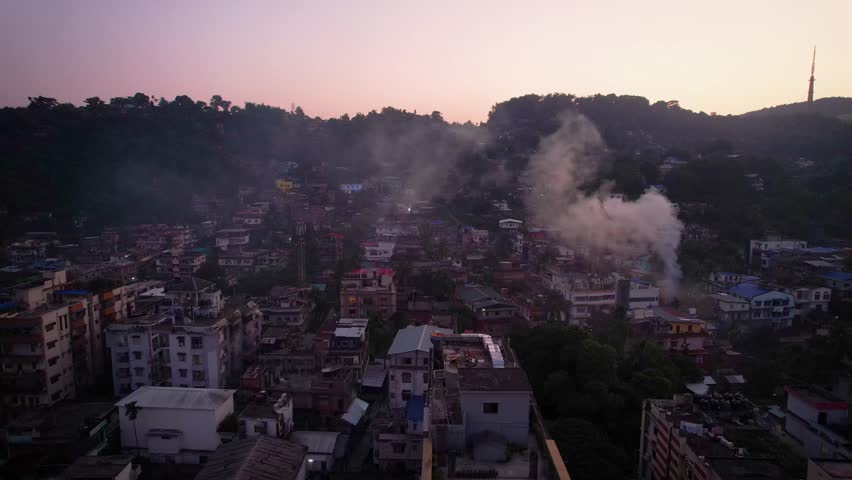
135,159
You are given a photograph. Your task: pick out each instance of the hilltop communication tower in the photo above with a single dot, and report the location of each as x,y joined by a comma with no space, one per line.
811,82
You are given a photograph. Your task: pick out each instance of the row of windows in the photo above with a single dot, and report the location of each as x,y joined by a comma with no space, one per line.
407,377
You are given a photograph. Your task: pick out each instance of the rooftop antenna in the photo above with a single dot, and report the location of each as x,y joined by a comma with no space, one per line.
811,81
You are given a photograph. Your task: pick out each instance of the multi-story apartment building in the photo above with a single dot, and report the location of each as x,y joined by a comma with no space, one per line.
45,349
635,294
772,244
377,251
681,333
180,263
184,336
730,310
809,298
156,238
699,437
766,307
37,358
840,284
347,346
410,363
232,238
368,291
494,313
819,421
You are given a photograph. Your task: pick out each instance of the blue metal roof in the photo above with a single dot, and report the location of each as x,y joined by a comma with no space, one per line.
821,250
72,292
747,290
414,408
837,276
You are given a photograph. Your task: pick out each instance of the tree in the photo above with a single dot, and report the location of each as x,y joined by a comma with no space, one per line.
42,103
131,410
217,103
94,104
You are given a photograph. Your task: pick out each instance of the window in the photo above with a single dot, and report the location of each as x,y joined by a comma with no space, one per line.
138,371
196,375
406,377
182,372
52,361
137,355
54,379
197,342
406,361
137,340
196,359
406,395
181,357
425,378
426,361
49,327
260,428
51,344
398,447
490,407
181,341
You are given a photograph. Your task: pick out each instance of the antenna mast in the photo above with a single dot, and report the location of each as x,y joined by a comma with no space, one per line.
811,81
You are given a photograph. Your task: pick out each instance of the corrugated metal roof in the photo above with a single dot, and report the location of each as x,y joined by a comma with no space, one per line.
837,276
177,398
317,442
747,290
355,412
257,458
374,376
411,339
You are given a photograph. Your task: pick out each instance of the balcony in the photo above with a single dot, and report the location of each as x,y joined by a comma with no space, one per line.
21,339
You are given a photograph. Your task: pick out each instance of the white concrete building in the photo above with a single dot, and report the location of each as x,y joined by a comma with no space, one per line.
510,224
819,421
730,310
274,419
183,338
378,251
410,361
756,247
174,425
766,307
809,298
636,294
495,400
232,237
351,187
840,284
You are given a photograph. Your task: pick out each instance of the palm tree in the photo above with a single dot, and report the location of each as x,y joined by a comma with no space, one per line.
131,410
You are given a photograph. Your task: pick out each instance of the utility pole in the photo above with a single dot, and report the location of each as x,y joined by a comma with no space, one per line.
300,252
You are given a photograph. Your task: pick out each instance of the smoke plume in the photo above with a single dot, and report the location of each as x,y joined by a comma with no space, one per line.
567,161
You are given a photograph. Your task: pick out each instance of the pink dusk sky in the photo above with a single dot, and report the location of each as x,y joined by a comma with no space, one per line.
458,57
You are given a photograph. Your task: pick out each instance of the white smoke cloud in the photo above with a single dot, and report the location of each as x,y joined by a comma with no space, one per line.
568,160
